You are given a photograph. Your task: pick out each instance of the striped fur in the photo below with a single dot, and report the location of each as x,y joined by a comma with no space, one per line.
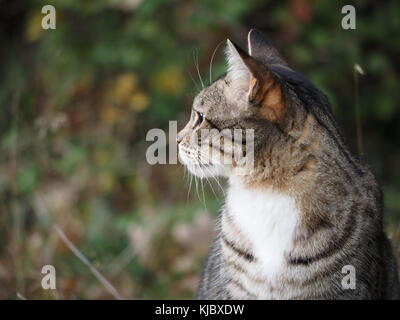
307,209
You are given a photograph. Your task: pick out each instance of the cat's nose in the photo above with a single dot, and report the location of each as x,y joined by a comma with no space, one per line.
179,138
182,134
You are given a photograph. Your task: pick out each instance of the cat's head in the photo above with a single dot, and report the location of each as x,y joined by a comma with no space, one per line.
260,94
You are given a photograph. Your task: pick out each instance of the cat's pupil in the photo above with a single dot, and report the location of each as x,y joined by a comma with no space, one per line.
200,118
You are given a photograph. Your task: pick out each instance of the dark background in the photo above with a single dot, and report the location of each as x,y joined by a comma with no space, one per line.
76,104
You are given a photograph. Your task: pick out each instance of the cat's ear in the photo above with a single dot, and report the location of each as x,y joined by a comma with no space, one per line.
260,48
263,88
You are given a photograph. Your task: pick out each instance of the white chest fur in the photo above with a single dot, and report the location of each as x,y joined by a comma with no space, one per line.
268,220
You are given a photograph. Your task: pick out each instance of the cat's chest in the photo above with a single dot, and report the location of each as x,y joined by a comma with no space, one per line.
267,220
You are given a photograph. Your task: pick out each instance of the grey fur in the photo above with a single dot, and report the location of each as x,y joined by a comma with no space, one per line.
304,155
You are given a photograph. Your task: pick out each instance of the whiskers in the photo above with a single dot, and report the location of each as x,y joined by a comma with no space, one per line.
212,58
197,66
199,85
189,178
196,63
196,182
201,165
203,157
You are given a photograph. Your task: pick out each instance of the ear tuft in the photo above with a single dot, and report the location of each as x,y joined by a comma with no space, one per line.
249,74
237,69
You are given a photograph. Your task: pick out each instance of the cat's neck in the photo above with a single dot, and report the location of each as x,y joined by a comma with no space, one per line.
267,219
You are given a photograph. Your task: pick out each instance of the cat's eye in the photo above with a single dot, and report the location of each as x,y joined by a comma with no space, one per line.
200,116
199,119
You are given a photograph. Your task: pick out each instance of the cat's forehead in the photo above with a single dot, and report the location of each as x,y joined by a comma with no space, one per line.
216,101
209,95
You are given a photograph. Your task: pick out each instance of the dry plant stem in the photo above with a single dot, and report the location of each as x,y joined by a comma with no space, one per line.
15,208
20,296
360,145
110,288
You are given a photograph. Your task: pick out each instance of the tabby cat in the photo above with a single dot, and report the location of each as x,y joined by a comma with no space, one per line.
307,211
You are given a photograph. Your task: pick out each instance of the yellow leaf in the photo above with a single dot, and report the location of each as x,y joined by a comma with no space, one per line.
101,157
106,181
139,101
110,115
34,28
124,85
169,81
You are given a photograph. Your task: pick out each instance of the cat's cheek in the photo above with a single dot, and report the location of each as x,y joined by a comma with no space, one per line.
183,158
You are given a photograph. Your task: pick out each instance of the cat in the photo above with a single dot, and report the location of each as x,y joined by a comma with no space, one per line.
307,215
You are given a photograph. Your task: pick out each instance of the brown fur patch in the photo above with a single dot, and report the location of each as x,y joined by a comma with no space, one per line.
309,165
253,88
307,128
273,105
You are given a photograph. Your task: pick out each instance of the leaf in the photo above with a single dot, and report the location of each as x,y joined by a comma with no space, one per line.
125,85
139,101
169,81
34,29
110,115
27,178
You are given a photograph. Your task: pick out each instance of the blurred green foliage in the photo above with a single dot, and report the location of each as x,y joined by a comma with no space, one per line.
77,102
